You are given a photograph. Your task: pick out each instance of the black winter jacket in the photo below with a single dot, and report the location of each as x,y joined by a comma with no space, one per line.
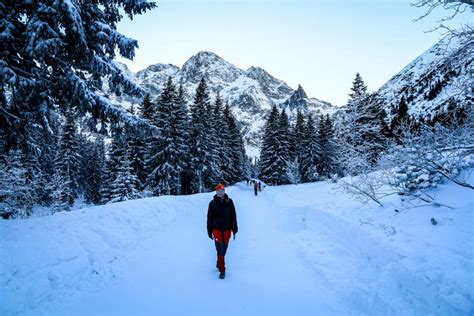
221,215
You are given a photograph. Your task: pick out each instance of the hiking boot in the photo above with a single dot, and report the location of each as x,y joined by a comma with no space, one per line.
222,275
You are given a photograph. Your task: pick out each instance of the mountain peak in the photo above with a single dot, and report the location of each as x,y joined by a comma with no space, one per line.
210,66
205,59
298,100
161,67
300,93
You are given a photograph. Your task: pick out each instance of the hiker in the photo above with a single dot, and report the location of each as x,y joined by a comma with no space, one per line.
259,185
221,221
255,186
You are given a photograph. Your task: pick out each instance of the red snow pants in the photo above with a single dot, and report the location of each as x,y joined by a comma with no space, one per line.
221,239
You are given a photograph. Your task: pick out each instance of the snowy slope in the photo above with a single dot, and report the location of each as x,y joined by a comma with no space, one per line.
251,93
303,249
444,71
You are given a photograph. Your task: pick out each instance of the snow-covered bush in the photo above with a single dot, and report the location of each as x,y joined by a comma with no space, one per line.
424,160
434,155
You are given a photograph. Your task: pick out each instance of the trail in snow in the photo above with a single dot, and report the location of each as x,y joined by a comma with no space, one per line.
174,272
300,250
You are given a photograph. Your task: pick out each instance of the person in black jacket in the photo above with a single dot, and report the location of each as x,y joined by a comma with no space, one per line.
221,221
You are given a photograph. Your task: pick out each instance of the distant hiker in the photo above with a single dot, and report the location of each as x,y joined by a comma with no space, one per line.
255,186
260,186
221,220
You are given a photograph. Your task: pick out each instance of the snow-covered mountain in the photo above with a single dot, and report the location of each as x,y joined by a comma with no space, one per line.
443,72
251,93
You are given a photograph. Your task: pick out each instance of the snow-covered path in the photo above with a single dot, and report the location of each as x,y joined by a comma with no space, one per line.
174,271
302,249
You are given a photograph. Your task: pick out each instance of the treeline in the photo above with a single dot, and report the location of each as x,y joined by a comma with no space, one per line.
179,151
351,142
303,152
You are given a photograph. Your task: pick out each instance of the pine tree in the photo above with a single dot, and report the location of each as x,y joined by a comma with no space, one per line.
147,108
359,89
234,147
67,159
56,53
60,193
93,162
223,149
200,138
48,147
125,185
298,133
35,180
138,152
327,164
363,127
16,195
283,149
311,154
165,176
215,145
268,151
113,165
181,134
107,179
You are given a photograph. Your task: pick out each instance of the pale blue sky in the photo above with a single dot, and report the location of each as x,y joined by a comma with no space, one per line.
319,44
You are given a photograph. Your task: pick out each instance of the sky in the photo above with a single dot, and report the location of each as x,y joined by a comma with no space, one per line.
319,44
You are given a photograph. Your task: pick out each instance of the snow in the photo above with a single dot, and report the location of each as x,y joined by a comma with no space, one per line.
300,249
418,77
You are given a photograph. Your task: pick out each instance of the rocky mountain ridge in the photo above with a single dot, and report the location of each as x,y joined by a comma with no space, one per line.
443,73
250,93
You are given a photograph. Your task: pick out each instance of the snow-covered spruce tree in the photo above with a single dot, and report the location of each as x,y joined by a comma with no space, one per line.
223,147
126,185
147,108
328,161
136,142
106,181
67,158
298,132
351,159
162,150
15,194
35,179
235,147
180,124
213,158
58,53
153,156
60,193
268,151
113,165
202,165
362,138
48,146
283,149
92,166
311,154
